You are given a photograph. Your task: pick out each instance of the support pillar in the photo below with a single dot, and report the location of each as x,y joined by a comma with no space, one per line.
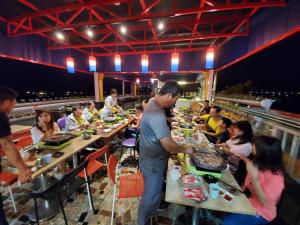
210,85
134,88
96,87
123,87
98,84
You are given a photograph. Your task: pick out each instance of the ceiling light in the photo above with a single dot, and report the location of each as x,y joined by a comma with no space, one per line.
89,33
161,26
60,35
123,29
117,3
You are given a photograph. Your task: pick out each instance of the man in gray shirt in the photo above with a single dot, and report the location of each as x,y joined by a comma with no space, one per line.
155,146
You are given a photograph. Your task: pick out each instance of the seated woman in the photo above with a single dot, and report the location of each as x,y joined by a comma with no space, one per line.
238,146
44,126
131,132
76,120
90,113
227,130
240,143
264,182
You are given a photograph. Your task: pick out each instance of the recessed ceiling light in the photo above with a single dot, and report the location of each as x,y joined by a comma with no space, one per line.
89,33
117,3
60,35
161,26
123,29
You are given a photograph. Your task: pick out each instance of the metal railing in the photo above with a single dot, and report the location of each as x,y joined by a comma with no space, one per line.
286,129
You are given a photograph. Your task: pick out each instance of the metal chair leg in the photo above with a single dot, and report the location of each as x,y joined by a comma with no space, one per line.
12,199
36,212
62,209
91,203
113,205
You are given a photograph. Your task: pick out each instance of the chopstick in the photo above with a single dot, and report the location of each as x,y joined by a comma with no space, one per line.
231,186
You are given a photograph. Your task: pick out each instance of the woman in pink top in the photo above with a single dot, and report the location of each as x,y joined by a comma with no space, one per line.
264,182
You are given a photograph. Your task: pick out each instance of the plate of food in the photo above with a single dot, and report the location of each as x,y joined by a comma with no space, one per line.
190,180
114,126
110,119
107,130
197,194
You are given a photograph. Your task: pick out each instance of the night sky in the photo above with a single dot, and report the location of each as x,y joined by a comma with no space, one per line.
273,69
24,76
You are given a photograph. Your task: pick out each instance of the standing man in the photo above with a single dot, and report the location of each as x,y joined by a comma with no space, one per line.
7,103
111,104
155,146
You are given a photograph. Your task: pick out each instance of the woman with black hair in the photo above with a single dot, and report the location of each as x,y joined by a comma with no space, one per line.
264,182
44,126
240,143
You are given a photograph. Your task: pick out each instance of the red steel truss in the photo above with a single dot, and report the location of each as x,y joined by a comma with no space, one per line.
194,29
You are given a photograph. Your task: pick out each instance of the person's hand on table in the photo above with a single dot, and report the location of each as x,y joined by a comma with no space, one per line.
25,175
42,125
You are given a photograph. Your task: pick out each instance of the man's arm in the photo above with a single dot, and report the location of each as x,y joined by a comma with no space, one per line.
15,158
172,147
210,133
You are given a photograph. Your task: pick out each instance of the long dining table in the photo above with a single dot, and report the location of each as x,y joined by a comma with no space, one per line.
49,209
240,203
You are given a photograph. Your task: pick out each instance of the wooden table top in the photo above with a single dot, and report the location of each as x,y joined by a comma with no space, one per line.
115,131
19,128
240,204
77,145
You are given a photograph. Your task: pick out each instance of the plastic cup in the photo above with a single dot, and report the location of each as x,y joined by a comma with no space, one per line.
47,158
214,190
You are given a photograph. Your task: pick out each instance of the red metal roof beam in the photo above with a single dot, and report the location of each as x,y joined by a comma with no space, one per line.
226,7
202,3
145,12
142,42
155,51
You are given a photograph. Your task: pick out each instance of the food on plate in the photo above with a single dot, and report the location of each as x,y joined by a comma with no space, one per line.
228,197
190,180
209,160
197,194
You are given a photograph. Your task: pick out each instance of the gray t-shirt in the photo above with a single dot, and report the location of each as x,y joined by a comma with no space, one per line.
153,128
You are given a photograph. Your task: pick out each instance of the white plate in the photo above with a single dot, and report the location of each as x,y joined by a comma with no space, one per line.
107,130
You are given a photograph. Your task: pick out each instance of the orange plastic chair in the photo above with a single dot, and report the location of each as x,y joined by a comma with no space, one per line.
130,185
7,179
24,142
94,165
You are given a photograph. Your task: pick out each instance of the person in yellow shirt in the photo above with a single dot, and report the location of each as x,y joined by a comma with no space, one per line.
212,127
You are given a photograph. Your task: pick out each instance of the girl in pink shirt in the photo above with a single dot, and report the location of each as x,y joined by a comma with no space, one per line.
264,182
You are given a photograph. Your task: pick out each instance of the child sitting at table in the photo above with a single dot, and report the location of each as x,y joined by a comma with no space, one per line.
131,132
264,182
238,146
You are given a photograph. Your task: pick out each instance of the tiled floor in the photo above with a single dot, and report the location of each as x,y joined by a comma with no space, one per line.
77,209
